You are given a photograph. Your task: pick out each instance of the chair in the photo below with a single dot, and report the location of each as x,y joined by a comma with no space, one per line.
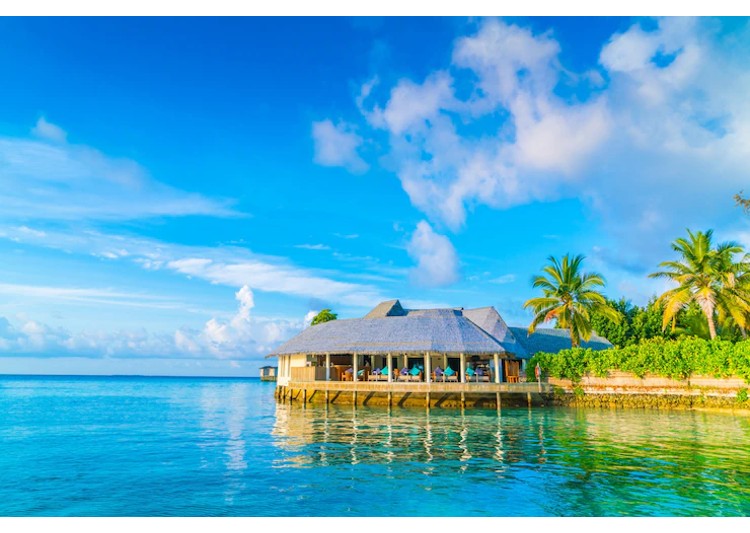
482,375
374,375
403,374
415,374
449,374
347,375
438,374
469,374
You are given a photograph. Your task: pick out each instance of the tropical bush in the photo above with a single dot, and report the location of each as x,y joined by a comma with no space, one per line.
677,359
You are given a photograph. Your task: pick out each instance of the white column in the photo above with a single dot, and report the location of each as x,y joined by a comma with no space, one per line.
497,368
427,365
463,368
390,368
328,367
445,361
354,367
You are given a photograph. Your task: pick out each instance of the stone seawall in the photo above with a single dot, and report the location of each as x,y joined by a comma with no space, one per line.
625,390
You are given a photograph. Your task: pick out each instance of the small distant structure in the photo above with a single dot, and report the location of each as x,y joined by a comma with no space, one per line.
268,373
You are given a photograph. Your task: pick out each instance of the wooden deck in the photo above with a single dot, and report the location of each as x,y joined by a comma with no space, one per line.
420,386
404,394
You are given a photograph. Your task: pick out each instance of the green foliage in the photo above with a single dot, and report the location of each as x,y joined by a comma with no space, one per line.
741,396
709,276
677,359
324,316
637,323
570,296
641,323
578,392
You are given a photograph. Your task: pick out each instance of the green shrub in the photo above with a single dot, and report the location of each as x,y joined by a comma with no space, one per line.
741,396
677,359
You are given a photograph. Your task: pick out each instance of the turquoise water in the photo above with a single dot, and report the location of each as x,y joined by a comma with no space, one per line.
186,447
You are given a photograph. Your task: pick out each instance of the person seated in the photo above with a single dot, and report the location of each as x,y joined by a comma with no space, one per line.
480,374
347,375
437,375
403,374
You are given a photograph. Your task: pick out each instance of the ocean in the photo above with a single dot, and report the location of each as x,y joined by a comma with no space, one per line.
142,446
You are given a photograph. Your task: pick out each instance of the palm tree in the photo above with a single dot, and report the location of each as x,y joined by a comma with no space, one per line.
324,316
709,277
570,296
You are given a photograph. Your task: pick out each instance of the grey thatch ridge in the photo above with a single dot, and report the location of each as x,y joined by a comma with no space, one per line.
389,328
490,321
553,340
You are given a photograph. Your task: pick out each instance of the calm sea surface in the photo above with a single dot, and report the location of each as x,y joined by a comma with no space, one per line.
186,447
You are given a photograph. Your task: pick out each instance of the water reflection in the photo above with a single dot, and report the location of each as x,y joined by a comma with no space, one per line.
224,414
575,462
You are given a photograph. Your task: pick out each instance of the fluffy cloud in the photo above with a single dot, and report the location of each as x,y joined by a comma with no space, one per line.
437,262
47,130
652,138
241,337
50,179
336,146
33,338
539,142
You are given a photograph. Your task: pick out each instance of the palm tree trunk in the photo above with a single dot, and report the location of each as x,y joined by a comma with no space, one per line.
711,324
708,306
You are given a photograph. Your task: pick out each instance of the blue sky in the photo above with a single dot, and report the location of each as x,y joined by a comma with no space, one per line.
179,195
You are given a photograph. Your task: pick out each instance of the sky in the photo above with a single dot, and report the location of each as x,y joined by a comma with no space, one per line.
178,196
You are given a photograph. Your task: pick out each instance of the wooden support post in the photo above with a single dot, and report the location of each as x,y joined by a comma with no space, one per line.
497,401
427,401
463,399
528,398
427,367
463,368
328,367
390,399
497,368
304,397
390,370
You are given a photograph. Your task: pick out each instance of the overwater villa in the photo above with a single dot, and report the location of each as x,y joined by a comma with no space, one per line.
424,355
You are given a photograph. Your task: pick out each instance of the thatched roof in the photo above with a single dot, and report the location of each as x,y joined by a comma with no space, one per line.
389,328
553,340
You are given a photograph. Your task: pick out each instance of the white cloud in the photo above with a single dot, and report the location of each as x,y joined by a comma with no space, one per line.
505,278
652,139
241,337
49,179
437,262
337,146
313,246
307,321
89,295
536,148
49,131
231,266
244,336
